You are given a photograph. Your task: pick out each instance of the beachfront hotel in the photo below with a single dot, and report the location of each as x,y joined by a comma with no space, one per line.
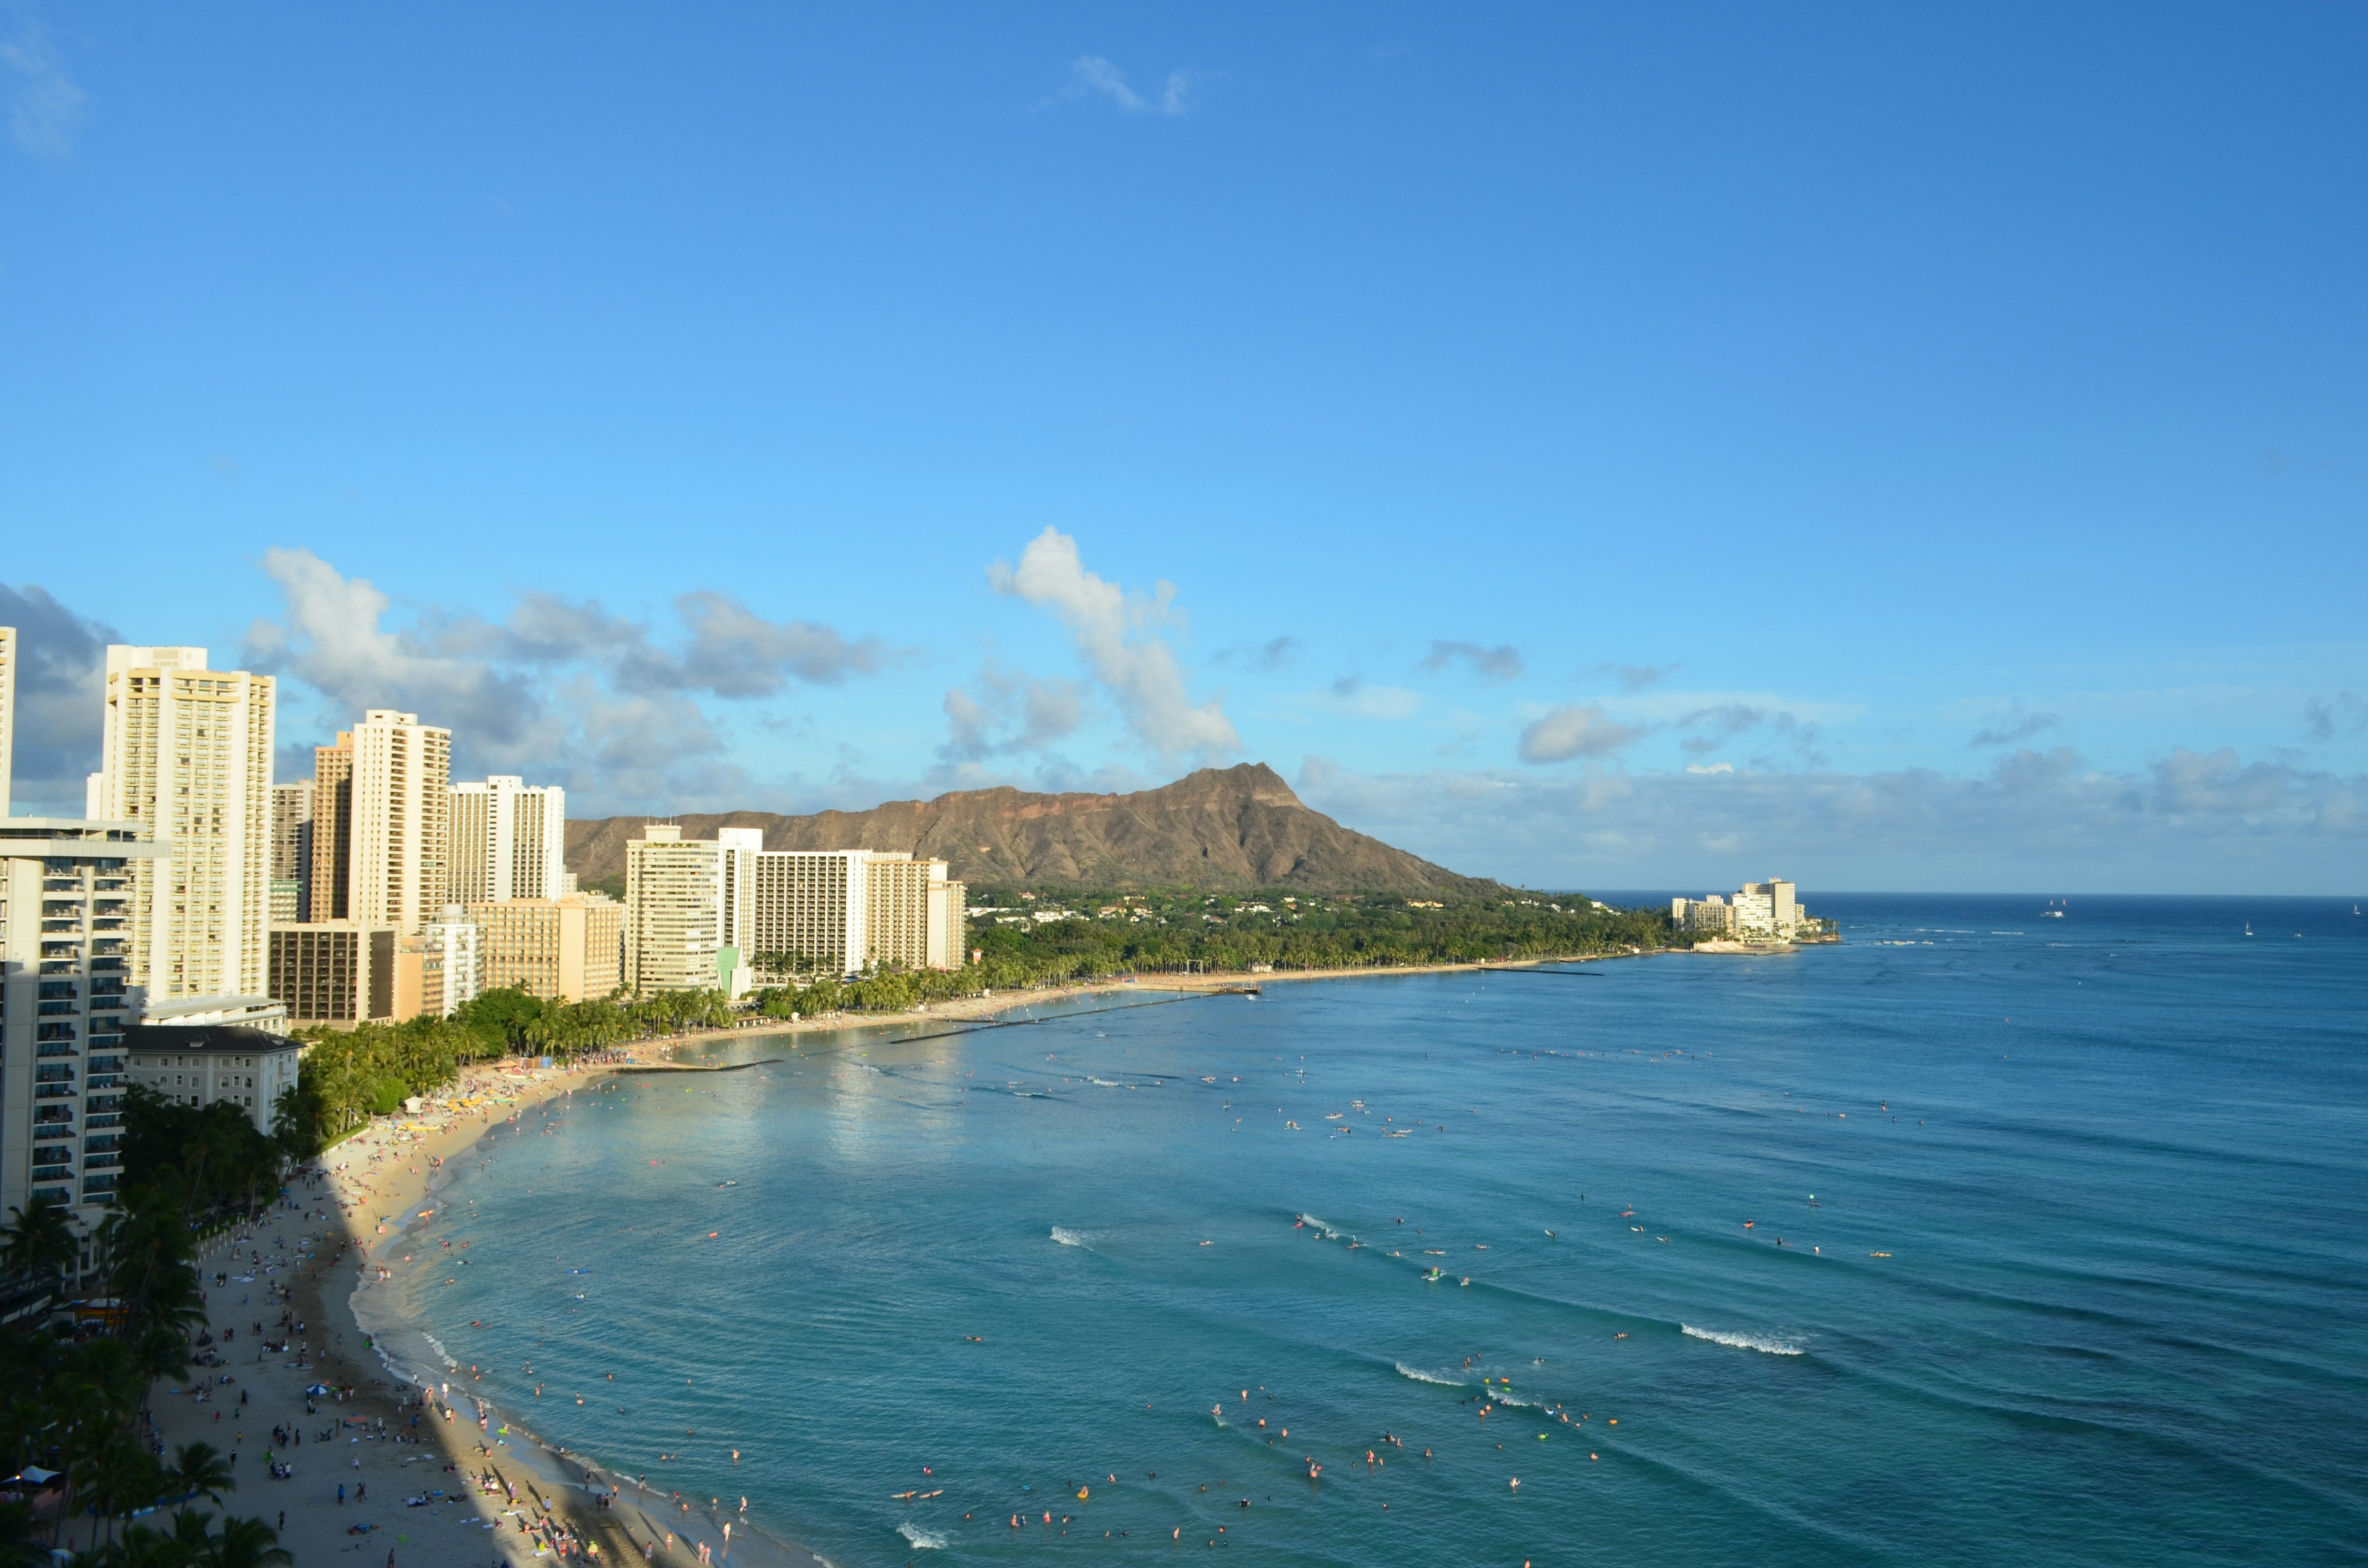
67,995
728,914
508,840
561,950
214,1063
1758,912
382,811
186,756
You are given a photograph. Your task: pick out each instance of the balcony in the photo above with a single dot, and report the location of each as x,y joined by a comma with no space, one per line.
54,1048
51,1092
66,1009
61,1116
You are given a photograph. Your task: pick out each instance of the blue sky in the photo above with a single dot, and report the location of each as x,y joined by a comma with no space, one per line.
1896,447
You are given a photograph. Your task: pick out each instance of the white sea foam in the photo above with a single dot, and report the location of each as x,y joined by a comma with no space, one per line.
1321,1229
1419,1375
1069,1238
1744,1341
1103,1083
921,1538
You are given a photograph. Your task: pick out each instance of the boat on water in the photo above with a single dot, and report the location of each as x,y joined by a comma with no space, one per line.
2055,910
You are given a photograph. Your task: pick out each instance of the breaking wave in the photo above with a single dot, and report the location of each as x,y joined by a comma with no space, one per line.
1069,1238
1419,1375
1744,1341
922,1539
1320,1228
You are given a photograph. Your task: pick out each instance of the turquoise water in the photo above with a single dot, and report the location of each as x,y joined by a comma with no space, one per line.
2115,1161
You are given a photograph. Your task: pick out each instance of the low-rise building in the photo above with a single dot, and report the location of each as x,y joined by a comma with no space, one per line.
202,1065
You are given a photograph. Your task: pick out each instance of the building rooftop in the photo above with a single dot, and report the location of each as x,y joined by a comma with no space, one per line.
186,1039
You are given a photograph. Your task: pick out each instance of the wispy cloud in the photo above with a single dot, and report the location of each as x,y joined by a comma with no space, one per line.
2345,713
1120,638
1636,678
1091,76
2010,732
1501,662
45,105
1575,731
1271,654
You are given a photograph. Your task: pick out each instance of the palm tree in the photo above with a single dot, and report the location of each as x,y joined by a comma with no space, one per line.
245,1543
119,1477
39,1250
142,1547
197,1471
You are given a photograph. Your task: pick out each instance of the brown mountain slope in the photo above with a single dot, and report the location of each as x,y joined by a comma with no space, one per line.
1224,829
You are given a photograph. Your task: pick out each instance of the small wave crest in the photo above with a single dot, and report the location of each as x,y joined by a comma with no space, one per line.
1069,1238
1419,1375
1744,1341
922,1539
1321,1228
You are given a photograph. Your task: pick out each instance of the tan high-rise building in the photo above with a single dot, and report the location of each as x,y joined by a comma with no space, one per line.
8,710
329,896
913,915
185,753
509,840
674,912
561,949
382,811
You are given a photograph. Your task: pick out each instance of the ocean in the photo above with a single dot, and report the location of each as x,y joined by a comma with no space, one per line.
1980,1238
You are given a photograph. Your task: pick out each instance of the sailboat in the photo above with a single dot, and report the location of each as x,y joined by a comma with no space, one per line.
2053,910
2249,927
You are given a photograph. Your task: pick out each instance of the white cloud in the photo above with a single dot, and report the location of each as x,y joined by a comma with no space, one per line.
1119,636
1006,710
565,690
60,690
1575,731
1092,74
44,103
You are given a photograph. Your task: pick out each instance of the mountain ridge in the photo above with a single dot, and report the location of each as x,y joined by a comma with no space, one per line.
1225,830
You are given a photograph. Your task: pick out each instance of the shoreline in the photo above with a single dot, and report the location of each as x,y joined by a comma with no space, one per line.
354,1208
974,1009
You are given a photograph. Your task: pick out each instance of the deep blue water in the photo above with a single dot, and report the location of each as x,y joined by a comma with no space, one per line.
2084,1278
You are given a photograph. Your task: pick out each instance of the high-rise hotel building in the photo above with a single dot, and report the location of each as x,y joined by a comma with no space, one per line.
382,811
185,757
724,912
509,840
67,995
